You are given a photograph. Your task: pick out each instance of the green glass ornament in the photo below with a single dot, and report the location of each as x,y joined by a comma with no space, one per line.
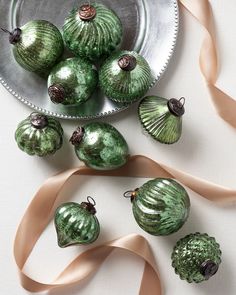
92,31
72,81
100,146
125,76
160,206
76,224
196,257
37,46
39,135
162,118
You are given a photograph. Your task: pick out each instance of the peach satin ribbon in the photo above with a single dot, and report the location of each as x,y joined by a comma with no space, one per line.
43,205
224,104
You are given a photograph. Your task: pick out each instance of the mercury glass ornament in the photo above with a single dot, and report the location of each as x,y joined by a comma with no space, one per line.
92,31
76,224
37,46
162,118
196,257
39,135
100,146
72,81
160,206
125,76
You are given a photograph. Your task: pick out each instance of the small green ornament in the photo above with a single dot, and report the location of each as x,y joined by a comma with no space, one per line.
76,224
100,146
39,135
162,118
92,31
196,257
160,206
72,81
37,46
125,76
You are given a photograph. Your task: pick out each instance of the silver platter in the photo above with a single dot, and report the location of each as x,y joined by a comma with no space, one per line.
150,28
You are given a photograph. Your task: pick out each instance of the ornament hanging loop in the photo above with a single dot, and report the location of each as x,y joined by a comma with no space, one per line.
6,31
131,194
182,100
91,201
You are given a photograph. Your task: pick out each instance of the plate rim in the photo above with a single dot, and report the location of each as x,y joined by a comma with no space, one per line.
105,114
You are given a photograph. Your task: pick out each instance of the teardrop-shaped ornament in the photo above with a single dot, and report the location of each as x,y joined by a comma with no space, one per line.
196,257
160,206
76,224
162,118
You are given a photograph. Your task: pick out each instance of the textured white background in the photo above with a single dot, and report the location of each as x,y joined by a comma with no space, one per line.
206,149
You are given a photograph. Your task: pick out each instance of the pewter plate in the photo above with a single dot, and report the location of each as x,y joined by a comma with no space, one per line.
150,28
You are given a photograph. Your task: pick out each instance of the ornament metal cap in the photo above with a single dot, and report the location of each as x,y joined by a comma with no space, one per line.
38,121
131,194
77,136
56,93
127,62
87,12
208,268
14,36
89,205
176,106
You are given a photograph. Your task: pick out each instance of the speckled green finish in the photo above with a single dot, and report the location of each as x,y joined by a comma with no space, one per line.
95,38
75,225
189,254
40,142
161,206
102,147
158,121
125,86
39,47
77,76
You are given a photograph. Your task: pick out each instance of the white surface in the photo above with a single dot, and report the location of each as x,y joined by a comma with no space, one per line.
206,149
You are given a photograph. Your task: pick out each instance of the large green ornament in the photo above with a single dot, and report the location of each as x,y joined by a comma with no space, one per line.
37,46
92,31
72,81
196,257
76,224
100,146
125,76
39,135
162,118
160,206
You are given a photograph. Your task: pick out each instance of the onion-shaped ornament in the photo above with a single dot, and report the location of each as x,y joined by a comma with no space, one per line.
92,31
100,146
76,224
125,76
160,206
162,118
196,257
39,135
72,81
37,46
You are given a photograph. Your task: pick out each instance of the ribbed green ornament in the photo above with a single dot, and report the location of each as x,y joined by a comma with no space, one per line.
76,224
72,81
39,135
196,257
37,46
162,118
100,146
160,206
125,76
92,31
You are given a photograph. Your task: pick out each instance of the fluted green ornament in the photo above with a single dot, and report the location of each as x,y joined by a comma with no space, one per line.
76,224
92,31
160,206
196,257
37,46
72,81
125,76
39,135
100,146
162,118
